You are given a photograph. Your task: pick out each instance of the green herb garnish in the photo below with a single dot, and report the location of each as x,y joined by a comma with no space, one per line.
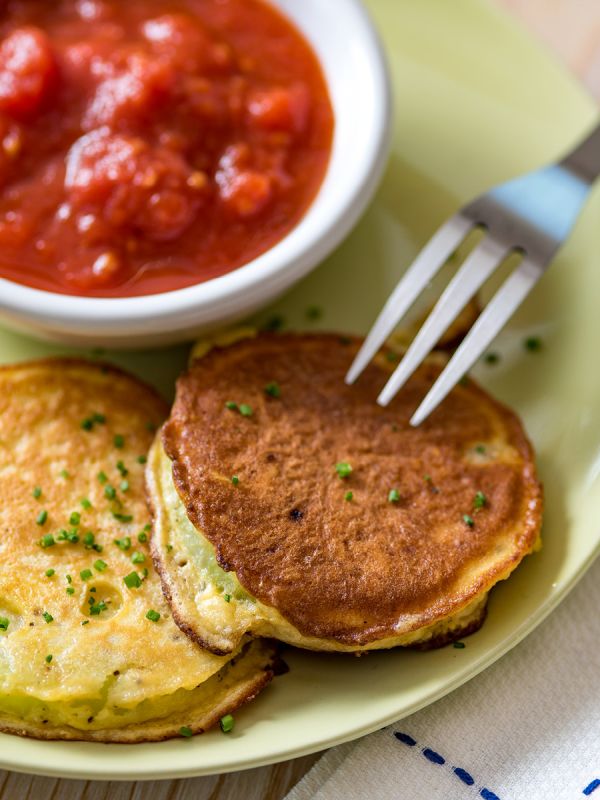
119,441
124,486
110,492
231,405
343,469
4,623
100,565
47,540
394,496
70,590
85,574
75,518
186,732
152,615
273,389
122,517
533,344
227,722
48,659
349,496
468,520
479,501
64,474
138,558
491,358
235,480
42,517
459,645
124,543
132,581
102,477
245,410
227,598
85,503
37,492
97,608
48,617
142,537
141,459
50,572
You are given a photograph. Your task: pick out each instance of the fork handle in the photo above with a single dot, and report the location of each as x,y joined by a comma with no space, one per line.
584,160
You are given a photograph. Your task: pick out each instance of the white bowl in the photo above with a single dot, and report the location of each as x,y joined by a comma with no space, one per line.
356,72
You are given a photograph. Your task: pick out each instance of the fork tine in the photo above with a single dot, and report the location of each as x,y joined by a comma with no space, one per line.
423,269
490,322
478,267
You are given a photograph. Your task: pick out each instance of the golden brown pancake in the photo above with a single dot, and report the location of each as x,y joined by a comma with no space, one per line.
79,657
268,538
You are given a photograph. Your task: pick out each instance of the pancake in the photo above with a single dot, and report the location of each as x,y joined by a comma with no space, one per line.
79,657
401,550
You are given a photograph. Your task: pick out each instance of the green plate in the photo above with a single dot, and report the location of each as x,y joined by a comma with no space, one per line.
476,103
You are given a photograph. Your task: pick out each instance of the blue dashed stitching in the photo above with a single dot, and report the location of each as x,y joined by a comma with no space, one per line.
591,787
461,774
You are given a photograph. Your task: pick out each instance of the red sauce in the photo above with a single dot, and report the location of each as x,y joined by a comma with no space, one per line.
149,145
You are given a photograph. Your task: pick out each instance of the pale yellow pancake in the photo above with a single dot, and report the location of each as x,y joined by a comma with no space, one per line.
88,647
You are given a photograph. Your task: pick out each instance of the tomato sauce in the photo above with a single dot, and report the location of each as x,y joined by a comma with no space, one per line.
149,145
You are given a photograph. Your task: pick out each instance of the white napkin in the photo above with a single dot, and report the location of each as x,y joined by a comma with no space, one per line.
526,729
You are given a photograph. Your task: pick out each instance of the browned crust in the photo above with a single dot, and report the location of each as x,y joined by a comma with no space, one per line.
408,574
450,636
161,730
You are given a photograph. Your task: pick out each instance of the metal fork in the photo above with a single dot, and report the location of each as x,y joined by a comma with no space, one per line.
531,215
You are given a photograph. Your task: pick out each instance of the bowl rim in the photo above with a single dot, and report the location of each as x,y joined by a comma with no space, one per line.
221,294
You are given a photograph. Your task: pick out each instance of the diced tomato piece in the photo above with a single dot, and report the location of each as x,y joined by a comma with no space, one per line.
28,72
186,43
280,109
145,189
133,96
244,191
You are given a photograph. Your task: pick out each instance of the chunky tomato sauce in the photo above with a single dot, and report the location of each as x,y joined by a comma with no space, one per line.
147,145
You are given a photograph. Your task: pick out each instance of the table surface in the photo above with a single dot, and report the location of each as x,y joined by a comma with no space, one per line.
572,31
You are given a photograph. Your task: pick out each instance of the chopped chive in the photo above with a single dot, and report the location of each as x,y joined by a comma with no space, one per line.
392,357
122,517
124,543
144,573
64,474
186,732
124,486
85,622
138,558
47,540
100,565
394,496
314,313
227,722
274,323
152,615
119,441
85,574
147,527
88,539
85,503
141,459
231,405
491,358
480,448
48,617
102,477
97,547
349,496
227,598
100,419
468,520
50,572
87,424
37,492
69,579
273,389
533,344
70,590
132,581
93,589
142,537
97,608
4,623
169,548
479,501
235,480
343,469
459,645
110,492
75,518
122,469
48,659
42,517
246,410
